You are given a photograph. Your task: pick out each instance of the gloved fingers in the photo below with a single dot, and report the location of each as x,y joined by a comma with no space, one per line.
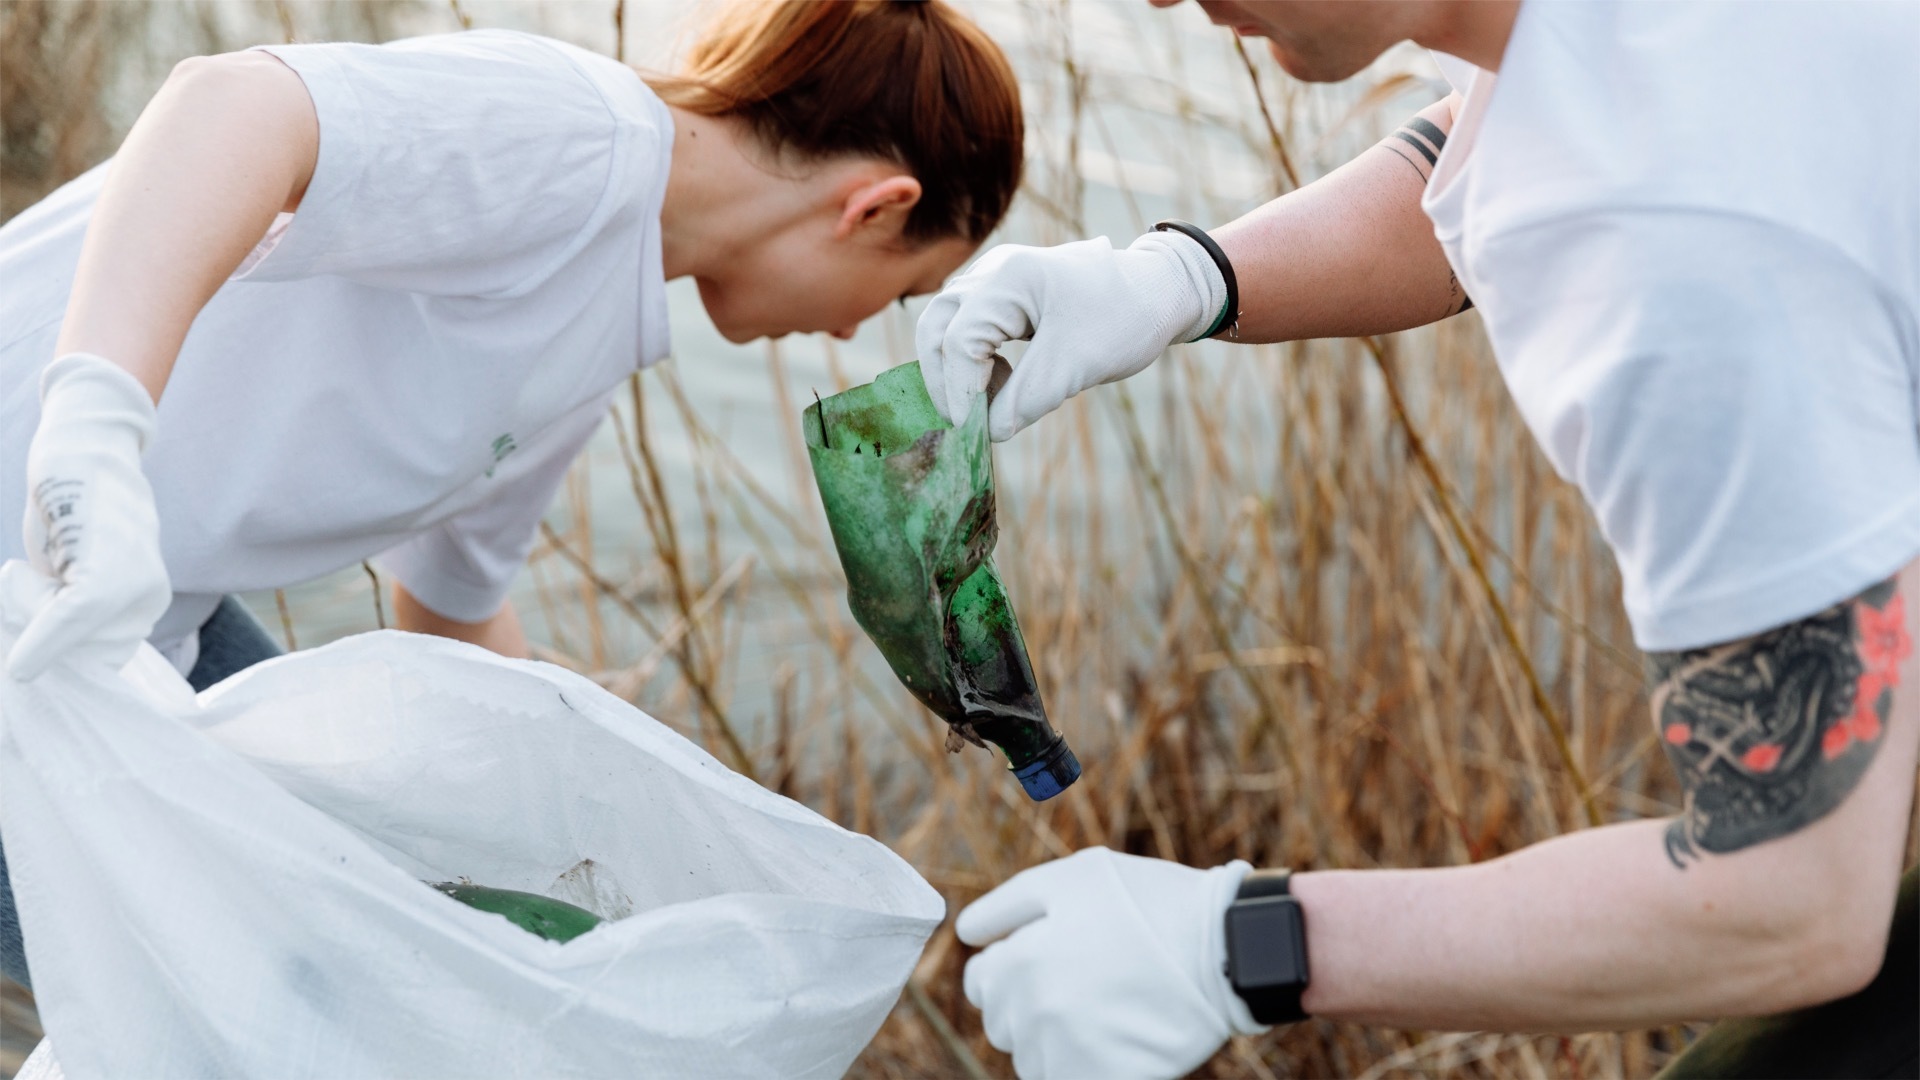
928,334
1019,901
23,592
1032,1062
996,981
82,623
984,323
1041,383
995,1018
60,624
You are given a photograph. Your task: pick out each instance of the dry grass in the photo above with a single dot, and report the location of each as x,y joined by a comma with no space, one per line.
1316,605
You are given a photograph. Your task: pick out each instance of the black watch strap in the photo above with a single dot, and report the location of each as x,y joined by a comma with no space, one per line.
1260,883
1267,948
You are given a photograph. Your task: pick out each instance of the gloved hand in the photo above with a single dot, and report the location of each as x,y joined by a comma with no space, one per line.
1095,315
1106,965
90,524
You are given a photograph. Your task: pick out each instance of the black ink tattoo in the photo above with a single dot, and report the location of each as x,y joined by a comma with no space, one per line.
1429,131
1402,155
1772,733
1453,289
1404,136
1427,140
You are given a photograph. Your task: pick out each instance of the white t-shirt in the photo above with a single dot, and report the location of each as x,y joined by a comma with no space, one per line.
407,365
1693,232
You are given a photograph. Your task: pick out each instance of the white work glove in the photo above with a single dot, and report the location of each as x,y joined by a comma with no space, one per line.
1106,965
1095,316
90,523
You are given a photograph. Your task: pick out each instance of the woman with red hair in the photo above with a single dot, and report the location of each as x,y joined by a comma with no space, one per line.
337,302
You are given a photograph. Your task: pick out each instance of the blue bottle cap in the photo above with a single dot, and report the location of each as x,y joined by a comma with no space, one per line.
1050,775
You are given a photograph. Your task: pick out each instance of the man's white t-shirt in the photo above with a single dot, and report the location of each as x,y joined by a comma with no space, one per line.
406,366
1693,232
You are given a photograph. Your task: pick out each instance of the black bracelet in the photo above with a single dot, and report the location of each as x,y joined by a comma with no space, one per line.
1229,317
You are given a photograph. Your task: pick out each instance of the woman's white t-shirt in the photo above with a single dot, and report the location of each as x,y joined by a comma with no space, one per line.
1693,232
405,367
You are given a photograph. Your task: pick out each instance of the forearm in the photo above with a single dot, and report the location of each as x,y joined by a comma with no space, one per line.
227,143
1601,929
1351,253
502,633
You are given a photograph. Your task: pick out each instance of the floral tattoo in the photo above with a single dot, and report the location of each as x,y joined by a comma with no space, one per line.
1771,733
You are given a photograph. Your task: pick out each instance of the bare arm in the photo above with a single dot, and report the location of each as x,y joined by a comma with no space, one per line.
1351,253
227,143
1773,890
502,633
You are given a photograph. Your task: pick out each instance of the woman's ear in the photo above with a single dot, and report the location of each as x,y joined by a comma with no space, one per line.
878,208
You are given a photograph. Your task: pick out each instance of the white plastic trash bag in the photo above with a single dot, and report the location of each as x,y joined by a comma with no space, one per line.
234,889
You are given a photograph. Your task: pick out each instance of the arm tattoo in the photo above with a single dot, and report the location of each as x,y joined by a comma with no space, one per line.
1453,289
1404,136
1429,131
1427,140
1772,733
1402,155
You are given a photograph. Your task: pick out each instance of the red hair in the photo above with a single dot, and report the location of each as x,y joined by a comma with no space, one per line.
913,82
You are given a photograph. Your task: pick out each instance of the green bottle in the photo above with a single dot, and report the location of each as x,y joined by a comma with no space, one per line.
552,919
910,501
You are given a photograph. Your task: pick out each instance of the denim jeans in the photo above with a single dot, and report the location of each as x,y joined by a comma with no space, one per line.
230,640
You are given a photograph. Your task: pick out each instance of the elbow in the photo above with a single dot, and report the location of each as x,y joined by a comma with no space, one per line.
1819,952
224,75
1838,962
198,73
252,101
1789,932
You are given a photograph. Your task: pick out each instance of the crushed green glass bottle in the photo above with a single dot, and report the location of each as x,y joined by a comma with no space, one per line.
910,500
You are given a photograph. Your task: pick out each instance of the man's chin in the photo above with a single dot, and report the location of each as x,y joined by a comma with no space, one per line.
1317,70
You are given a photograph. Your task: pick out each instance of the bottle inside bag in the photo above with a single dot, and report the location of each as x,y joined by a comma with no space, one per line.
555,920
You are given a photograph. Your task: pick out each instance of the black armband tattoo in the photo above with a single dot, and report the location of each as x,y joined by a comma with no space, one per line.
1427,140
1429,131
1404,136
1772,733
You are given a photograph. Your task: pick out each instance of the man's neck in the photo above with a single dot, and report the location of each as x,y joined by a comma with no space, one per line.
1473,30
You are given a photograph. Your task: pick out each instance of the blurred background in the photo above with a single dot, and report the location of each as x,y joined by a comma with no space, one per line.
1316,605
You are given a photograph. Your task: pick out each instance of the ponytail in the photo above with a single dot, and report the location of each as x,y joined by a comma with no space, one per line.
908,81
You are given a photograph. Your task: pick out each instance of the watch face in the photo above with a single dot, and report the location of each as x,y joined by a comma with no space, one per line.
1266,944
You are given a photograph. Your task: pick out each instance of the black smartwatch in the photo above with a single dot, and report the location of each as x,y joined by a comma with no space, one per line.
1267,948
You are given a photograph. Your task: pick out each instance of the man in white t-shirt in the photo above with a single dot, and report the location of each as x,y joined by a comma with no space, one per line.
1693,233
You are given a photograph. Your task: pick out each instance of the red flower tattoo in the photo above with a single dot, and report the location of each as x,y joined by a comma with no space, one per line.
1883,639
1836,740
1864,723
1762,758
